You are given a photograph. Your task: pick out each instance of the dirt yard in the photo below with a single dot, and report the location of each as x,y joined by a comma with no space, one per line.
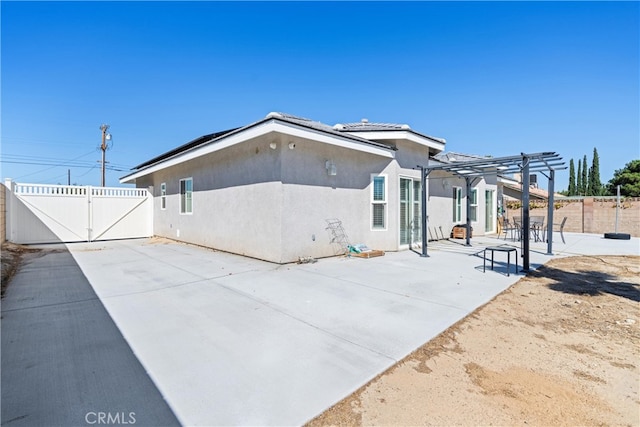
11,255
560,347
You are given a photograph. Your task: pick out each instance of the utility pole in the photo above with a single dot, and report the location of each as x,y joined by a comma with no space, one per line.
103,147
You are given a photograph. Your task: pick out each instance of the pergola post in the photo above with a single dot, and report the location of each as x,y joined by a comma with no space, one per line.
423,220
525,213
467,181
550,209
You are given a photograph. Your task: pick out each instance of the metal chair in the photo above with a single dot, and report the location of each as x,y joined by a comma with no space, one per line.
564,221
537,227
561,228
508,227
517,227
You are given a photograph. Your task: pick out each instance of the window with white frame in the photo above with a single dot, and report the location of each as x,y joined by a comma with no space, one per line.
379,203
457,204
186,196
473,204
163,196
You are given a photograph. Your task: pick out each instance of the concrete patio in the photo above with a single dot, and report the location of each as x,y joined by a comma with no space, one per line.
229,340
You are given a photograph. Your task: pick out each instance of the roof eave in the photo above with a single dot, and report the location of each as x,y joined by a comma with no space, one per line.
257,129
407,134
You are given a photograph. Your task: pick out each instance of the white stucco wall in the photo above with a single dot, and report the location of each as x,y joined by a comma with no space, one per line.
268,203
237,198
440,203
273,204
311,197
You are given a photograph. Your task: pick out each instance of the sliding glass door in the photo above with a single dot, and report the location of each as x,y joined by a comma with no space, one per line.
410,231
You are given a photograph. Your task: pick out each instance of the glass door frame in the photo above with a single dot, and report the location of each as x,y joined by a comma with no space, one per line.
411,218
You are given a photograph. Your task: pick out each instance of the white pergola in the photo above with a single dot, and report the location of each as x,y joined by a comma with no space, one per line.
525,164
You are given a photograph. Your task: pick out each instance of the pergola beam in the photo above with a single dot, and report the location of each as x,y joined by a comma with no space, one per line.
524,164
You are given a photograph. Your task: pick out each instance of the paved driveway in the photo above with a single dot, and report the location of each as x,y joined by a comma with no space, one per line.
229,340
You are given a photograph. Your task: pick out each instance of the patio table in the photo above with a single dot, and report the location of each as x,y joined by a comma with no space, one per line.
507,249
536,227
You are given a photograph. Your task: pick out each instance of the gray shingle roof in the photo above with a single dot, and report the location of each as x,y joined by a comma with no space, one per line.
325,128
450,157
366,126
303,121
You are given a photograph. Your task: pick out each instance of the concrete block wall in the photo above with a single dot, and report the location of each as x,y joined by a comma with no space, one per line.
593,215
604,216
574,213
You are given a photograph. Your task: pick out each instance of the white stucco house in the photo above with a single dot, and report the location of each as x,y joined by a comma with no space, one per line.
271,189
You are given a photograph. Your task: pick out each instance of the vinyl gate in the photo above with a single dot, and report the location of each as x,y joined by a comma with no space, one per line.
39,213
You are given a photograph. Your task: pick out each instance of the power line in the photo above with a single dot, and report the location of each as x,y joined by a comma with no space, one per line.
26,156
111,168
80,176
44,162
46,169
47,161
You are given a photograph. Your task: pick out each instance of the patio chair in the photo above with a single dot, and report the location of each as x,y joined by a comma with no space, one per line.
560,228
507,228
537,227
516,227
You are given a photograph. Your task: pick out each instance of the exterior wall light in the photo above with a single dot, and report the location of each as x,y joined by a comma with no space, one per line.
292,145
273,145
331,168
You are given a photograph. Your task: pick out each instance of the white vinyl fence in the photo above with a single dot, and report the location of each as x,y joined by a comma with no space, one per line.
40,213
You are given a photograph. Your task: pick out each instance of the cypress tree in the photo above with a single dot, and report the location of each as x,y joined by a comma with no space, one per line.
594,178
579,183
585,182
572,179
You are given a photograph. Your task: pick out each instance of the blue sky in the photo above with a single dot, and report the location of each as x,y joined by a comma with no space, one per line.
493,78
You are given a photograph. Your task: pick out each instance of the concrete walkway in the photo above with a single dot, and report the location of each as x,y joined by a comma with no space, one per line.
229,340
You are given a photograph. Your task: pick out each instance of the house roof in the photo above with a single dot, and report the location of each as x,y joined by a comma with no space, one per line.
293,124
313,124
451,156
379,129
198,141
216,136
537,193
365,125
302,120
